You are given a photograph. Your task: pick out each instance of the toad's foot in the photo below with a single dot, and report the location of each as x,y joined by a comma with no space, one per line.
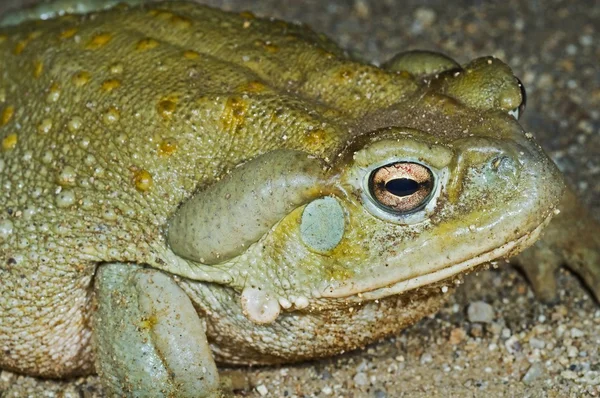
150,340
571,239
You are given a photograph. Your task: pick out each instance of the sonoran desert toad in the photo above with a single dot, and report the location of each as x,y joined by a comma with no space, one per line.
182,185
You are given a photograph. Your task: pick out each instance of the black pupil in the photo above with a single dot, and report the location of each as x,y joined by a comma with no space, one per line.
402,186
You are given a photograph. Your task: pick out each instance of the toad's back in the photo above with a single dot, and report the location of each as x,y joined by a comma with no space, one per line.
109,121
147,112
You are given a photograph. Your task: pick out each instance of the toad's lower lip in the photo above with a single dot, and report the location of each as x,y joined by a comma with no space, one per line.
397,287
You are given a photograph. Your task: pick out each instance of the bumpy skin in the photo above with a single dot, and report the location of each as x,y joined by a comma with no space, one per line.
125,136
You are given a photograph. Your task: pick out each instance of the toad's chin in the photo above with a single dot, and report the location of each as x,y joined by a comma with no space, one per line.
400,286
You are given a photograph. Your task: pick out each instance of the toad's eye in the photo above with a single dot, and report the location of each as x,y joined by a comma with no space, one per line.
518,112
402,187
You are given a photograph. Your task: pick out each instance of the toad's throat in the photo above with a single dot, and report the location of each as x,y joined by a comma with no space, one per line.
377,289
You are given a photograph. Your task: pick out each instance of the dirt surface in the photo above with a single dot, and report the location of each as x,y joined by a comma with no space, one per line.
520,347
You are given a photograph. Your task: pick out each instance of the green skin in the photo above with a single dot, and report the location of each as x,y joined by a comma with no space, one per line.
165,189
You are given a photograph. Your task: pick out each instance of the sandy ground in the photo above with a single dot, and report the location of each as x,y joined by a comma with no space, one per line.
525,348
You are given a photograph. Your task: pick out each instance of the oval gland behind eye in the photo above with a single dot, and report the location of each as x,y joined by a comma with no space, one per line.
322,226
401,187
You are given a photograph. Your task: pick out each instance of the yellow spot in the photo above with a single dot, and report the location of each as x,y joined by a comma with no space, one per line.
3,38
98,41
142,180
7,114
161,14
189,54
252,87
38,68
146,44
148,323
45,126
234,113
271,48
110,84
68,33
315,139
81,78
23,43
166,108
167,147
345,74
111,115
180,22
9,142
20,46
247,15
53,93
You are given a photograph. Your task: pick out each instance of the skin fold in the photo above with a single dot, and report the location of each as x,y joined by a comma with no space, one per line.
183,186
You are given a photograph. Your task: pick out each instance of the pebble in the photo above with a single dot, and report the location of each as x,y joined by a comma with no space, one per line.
568,374
537,343
361,379
426,16
426,358
534,372
457,336
572,352
476,330
480,311
512,345
262,390
380,394
576,333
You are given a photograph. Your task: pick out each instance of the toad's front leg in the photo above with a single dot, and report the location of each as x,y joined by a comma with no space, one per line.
149,338
571,239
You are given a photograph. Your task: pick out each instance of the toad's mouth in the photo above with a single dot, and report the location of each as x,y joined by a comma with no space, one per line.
397,287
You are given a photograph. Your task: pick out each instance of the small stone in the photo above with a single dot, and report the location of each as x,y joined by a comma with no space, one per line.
576,333
476,330
480,311
537,343
560,330
457,335
572,352
569,375
513,345
425,16
534,372
262,390
361,379
426,358
380,394
586,40
327,390
361,7
5,376
591,378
